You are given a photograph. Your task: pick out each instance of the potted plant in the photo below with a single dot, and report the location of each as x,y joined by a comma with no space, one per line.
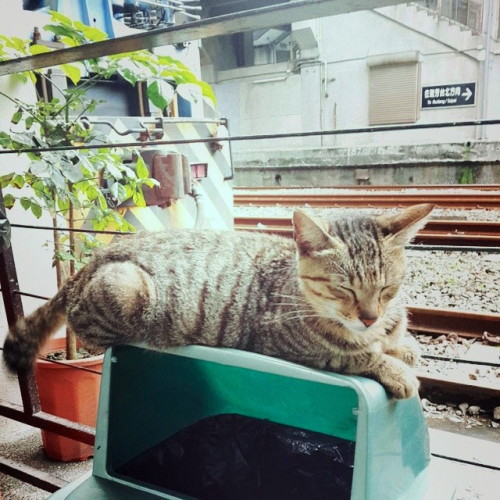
72,185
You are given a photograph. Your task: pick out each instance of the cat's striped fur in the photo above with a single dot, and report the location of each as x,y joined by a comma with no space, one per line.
329,300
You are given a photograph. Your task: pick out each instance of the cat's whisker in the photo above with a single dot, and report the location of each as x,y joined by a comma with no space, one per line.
295,304
285,296
298,314
281,319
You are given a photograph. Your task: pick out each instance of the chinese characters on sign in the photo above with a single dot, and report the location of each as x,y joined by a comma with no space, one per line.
458,94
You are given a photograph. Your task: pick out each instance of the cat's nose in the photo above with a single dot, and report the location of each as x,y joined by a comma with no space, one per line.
368,321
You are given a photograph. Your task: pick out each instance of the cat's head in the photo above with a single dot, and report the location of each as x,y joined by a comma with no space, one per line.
351,269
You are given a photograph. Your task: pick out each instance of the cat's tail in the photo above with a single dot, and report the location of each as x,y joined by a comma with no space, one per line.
26,337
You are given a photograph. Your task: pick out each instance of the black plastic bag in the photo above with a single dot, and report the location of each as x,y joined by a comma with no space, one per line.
233,457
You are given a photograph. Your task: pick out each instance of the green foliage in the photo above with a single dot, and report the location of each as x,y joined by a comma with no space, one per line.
88,183
467,176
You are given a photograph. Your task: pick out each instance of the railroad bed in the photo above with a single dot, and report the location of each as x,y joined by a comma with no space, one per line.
460,355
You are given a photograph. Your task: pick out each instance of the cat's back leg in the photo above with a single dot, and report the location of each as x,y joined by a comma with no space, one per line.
114,305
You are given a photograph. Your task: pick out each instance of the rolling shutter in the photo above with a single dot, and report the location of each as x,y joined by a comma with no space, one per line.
394,93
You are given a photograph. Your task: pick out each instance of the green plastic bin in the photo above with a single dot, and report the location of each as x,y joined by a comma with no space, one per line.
148,395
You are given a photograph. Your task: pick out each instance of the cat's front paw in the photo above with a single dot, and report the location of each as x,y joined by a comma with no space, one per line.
398,379
407,354
403,387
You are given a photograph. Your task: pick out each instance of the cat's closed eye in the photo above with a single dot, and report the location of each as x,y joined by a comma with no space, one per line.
342,293
349,291
388,292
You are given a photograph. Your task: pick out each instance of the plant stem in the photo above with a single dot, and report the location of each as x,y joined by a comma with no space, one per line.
70,334
57,247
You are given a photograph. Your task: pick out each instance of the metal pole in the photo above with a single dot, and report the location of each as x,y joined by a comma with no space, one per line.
14,310
486,63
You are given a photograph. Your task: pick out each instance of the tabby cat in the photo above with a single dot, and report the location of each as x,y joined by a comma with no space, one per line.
328,300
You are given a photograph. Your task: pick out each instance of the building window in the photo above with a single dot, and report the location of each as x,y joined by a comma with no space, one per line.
265,46
466,12
394,89
272,45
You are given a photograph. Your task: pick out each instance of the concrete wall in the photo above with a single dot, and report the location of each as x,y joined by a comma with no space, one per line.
382,165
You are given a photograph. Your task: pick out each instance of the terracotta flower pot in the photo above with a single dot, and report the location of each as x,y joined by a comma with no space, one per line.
69,393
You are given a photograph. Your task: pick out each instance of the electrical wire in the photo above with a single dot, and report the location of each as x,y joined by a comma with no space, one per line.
257,137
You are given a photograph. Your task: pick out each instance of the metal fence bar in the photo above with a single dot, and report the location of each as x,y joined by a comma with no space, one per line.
14,310
249,20
31,475
48,422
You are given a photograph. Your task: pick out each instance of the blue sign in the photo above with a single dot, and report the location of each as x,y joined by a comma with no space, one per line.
457,94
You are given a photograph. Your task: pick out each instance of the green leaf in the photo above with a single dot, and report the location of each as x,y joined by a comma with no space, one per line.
60,18
129,75
91,192
32,76
40,168
16,117
18,181
208,92
36,210
129,191
173,75
72,172
160,93
38,49
58,180
25,203
14,42
170,61
60,30
5,140
118,191
138,199
22,139
20,77
94,34
72,71
8,201
150,182
68,41
141,168
103,205
63,205
6,179
189,91
113,170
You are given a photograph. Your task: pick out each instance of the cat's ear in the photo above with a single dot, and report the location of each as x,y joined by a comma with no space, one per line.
310,235
401,228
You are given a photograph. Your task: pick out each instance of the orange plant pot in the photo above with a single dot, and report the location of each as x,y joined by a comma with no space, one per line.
69,393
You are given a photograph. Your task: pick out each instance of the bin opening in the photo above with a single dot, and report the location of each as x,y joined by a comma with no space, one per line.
231,456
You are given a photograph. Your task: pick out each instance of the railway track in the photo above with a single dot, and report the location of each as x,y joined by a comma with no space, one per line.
413,187
454,382
386,197
436,232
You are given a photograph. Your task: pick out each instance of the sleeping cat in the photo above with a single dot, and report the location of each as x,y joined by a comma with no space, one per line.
328,300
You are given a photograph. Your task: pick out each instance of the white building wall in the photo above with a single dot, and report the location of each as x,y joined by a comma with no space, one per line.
273,99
